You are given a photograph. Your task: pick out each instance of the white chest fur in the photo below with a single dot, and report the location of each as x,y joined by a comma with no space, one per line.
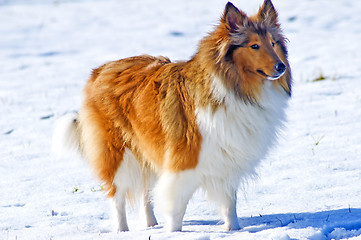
238,134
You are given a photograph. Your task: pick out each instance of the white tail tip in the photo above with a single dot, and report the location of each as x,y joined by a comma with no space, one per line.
66,137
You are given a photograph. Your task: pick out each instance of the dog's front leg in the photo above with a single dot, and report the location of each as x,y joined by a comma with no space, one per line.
228,211
173,192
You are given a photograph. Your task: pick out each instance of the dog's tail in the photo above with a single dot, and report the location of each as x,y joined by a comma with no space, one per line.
66,137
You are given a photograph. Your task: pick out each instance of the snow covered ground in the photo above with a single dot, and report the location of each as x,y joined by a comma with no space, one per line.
309,187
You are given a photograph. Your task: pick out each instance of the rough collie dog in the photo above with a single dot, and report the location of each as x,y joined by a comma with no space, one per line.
152,127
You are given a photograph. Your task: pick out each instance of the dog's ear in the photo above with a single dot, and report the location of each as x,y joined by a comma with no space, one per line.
267,13
233,17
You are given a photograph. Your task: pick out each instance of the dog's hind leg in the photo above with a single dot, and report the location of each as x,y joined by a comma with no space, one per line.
121,215
173,192
105,151
128,183
146,205
147,210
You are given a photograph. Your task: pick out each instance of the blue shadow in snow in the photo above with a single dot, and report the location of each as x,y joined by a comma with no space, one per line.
349,220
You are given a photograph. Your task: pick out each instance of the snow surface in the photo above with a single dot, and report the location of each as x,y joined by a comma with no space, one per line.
309,187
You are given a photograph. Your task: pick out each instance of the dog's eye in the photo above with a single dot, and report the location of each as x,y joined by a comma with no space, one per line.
273,44
255,46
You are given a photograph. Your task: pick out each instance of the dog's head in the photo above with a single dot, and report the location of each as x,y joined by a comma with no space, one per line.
251,50
256,44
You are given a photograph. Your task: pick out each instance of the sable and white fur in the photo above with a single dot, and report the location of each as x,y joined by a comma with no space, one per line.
147,123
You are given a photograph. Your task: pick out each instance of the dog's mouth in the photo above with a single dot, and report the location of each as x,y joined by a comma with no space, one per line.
268,77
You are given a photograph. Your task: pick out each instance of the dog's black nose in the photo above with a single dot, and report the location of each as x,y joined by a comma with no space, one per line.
280,68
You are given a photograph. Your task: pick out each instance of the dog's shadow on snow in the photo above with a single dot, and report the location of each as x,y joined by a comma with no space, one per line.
327,221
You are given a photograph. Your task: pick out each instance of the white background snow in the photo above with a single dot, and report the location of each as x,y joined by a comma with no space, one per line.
309,187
